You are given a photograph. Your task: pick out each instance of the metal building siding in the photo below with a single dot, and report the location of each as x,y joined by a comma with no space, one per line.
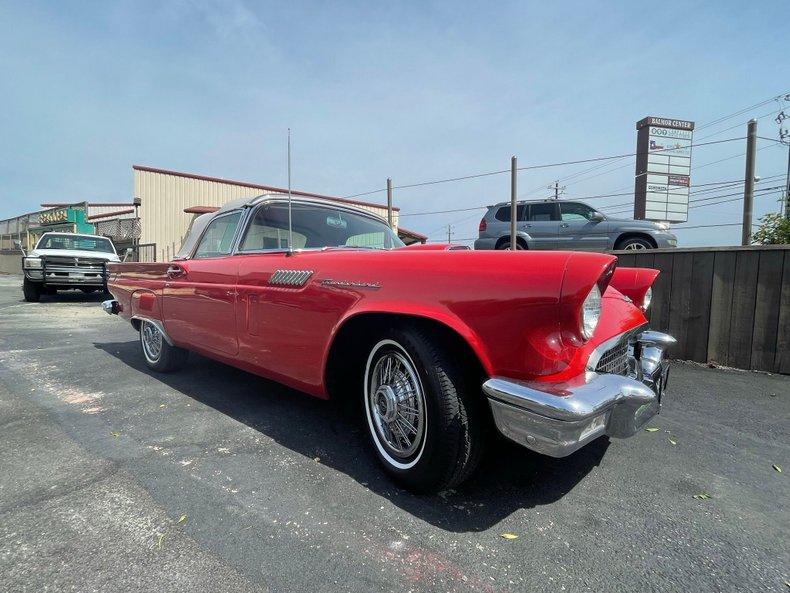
164,197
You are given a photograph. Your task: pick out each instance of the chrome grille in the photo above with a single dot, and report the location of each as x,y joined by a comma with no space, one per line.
615,360
85,263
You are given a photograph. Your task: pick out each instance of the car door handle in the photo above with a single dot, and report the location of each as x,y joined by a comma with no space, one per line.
175,271
564,225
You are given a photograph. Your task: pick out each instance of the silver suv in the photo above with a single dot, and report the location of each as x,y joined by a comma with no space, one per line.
573,226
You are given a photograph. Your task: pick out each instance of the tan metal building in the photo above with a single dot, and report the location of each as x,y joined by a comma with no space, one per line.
166,198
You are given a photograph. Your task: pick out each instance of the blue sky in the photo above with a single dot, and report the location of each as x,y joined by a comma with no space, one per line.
414,91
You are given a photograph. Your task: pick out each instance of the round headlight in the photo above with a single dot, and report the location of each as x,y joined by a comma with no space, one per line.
591,312
647,298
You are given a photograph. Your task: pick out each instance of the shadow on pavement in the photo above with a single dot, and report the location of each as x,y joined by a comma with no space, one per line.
510,477
70,296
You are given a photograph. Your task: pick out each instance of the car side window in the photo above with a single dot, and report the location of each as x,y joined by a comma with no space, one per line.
218,237
268,229
503,214
575,211
543,212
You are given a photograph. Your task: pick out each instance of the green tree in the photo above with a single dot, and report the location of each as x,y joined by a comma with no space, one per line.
774,230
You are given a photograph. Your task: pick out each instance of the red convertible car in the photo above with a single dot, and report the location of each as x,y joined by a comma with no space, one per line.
432,344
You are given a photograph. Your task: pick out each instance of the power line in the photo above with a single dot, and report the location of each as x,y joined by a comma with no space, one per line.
699,128
471,208
530,168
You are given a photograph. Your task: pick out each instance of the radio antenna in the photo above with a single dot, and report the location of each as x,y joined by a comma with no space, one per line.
290,221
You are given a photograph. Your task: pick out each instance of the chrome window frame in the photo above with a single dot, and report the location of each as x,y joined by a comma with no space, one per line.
193,255
268,201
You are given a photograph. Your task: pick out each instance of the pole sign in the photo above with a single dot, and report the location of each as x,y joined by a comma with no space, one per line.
663,169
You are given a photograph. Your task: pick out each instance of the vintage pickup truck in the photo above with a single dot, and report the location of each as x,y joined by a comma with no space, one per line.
432,345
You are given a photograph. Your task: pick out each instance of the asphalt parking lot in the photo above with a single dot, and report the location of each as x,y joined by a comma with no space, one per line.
116,479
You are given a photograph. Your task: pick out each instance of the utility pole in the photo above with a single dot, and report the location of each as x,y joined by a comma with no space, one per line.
513,178
389,201
557,189
787,186
784,138
449,234
748,182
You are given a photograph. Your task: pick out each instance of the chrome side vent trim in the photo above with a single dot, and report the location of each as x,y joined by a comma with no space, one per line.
290,277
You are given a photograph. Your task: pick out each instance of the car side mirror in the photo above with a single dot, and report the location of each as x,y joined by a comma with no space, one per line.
597,217
128,253
18,245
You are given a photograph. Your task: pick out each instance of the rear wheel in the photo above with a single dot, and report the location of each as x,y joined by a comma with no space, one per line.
31,290
422,411
505,246
159,355
635,243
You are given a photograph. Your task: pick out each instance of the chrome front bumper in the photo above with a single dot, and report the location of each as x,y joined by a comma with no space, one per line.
556,419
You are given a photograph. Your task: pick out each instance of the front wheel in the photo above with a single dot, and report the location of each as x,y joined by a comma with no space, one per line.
422,411
31,291
159,355
635,243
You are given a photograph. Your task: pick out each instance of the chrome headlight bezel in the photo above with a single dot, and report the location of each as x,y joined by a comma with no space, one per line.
590,312
32,263
647,299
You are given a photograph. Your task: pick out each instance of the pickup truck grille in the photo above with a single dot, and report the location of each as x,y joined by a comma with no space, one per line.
615,360
73,270
85,263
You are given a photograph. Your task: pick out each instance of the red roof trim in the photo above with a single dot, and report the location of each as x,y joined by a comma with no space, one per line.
111,214
254,186
414,234
201,209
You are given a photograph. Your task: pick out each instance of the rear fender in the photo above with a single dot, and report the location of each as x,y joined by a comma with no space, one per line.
634,282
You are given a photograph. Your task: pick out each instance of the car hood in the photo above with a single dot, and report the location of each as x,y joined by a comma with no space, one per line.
74,253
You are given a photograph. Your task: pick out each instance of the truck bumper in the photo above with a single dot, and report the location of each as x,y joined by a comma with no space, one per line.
556,419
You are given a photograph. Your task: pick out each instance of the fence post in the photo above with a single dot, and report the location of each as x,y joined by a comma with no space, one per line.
748,182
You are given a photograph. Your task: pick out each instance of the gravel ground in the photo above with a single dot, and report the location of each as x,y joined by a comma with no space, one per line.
211,479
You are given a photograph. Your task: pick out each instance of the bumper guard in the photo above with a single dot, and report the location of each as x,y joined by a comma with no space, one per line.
556,419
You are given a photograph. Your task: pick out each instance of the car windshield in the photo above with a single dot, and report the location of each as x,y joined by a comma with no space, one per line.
76,242
315,226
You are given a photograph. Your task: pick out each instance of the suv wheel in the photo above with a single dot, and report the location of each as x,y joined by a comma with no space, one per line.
505,246
31,290
635,243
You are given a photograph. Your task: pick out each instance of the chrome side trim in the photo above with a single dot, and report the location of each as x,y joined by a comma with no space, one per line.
290,277
158,325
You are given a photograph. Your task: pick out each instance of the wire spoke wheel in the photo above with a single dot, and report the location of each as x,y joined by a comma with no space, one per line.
396,405
151,339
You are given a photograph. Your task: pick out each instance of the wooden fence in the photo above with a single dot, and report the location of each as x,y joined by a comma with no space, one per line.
728,305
